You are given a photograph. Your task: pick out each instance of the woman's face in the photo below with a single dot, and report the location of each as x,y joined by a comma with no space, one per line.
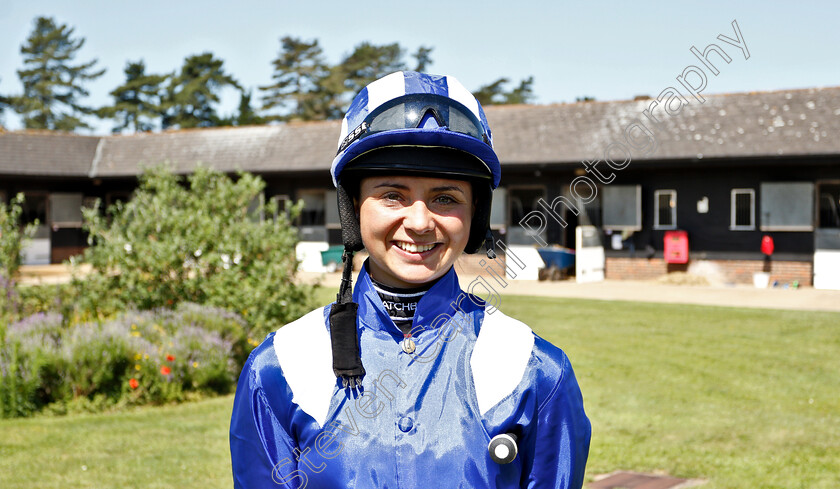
414,228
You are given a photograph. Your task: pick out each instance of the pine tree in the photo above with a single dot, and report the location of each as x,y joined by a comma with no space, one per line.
137,102
4,102
495,93
523,94
369,62
423,57
193,93
52,85
246,115
300,90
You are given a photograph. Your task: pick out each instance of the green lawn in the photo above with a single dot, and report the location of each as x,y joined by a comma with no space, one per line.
745,398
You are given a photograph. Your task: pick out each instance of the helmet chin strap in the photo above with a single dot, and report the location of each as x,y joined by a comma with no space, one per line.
490,245
347,363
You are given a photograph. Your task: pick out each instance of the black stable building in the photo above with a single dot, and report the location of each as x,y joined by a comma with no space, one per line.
728,172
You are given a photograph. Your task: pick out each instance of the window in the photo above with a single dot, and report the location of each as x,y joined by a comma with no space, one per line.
829,205
525,228
35,207
665,212
742,214
255,211
622,207
312,213
787,206
66,210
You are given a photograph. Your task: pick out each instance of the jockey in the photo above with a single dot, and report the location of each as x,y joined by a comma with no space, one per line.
406,381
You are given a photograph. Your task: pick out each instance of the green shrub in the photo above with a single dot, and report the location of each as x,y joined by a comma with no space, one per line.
193,241
13,239
140,357
46,298
30,366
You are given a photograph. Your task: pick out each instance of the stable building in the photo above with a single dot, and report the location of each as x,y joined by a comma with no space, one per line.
729,172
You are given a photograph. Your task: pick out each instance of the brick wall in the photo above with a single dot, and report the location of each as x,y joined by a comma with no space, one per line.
734,271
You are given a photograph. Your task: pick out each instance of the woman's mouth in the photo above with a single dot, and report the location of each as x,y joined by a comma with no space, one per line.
416,249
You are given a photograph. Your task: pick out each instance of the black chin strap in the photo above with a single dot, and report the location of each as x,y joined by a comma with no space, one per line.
347,363
490,245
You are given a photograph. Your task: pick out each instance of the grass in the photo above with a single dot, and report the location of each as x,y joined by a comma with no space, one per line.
741,397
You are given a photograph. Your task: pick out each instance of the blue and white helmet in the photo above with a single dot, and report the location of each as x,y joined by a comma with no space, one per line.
417,110
415,123
406,123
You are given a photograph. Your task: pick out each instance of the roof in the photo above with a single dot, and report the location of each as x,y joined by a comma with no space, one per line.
756,124
741,125
46,153
259,149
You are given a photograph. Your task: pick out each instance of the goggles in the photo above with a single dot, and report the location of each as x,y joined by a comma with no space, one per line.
407,112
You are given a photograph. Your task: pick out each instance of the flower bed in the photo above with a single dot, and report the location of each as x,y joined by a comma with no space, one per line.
143,357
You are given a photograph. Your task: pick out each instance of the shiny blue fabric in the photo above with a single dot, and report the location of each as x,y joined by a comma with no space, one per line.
416,422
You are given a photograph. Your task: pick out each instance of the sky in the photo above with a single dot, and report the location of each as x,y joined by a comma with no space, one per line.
610,50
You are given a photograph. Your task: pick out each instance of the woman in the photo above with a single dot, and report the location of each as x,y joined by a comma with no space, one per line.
410,382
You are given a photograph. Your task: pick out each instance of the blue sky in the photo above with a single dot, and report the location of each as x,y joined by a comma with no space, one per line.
610,50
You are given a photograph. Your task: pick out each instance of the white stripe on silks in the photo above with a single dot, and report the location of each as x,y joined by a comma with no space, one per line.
499,358
385,89
304,352
461,94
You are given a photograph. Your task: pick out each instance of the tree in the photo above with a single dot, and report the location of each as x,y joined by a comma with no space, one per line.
423,57
299,73
369,62
137,102
245,114
495,94
5,102
52,85
194,241
193,93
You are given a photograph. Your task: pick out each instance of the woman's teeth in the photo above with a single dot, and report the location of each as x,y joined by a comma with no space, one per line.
413,248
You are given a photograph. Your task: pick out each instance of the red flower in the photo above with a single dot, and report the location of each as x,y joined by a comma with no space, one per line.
170,358
133,383
165,370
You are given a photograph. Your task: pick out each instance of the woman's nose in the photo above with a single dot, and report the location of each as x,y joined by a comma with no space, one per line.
419,218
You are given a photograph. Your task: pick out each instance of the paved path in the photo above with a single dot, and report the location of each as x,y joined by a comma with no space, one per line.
804,298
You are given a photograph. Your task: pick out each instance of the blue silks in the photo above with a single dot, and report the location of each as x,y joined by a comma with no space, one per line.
421,419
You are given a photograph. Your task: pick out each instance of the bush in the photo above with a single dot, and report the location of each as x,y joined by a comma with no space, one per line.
197,243
13,239
30,367
139,357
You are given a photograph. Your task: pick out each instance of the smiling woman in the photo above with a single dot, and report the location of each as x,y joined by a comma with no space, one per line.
414,228
438,378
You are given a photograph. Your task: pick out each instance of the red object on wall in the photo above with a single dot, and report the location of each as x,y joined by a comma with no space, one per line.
676,247
767,246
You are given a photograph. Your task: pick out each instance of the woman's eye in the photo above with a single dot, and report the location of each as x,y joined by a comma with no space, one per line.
391,196
446,200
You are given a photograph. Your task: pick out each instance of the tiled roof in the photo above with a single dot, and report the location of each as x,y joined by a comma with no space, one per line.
286,147
742,125
46,153
785,122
